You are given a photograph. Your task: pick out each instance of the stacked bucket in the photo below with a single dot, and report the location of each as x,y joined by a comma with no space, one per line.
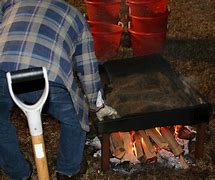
103,18
147,26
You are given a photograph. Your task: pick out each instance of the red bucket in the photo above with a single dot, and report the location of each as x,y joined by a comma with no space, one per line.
103,10
146,43
147,7
148,24
106,39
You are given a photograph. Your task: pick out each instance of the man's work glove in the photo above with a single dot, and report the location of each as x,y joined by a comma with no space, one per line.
106,111
103,109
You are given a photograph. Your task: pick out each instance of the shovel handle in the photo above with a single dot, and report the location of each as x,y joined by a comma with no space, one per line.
40,157
26,75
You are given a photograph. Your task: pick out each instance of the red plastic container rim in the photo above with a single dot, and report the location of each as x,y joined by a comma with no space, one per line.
102,3
149,17
119,27
140,2
145,33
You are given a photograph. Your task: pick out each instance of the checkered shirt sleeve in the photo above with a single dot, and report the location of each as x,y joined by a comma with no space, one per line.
86,66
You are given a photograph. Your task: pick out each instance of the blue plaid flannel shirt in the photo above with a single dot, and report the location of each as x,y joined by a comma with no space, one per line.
55,35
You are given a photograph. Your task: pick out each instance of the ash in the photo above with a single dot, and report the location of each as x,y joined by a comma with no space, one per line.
127,168
168,159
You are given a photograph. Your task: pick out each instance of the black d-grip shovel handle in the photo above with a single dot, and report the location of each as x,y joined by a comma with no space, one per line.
26,75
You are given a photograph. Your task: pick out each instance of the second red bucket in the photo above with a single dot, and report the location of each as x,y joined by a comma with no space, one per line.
147,7
151,24
146,43
103,10
107,39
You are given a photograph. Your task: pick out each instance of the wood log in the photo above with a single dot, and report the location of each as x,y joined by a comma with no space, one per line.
173,145
112,148
147,140
157,138
117,145
185,133
138,146
184,164
128,145
149,153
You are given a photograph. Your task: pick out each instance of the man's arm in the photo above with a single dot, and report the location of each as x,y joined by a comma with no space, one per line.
86,66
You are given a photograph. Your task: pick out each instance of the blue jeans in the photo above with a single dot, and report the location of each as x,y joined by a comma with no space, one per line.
72,137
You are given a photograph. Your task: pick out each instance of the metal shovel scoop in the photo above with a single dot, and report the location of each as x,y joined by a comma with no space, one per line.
33,114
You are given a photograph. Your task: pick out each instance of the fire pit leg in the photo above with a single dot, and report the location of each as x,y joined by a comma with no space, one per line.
200,138
105,152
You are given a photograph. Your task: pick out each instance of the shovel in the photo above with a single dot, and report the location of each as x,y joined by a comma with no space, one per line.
33,113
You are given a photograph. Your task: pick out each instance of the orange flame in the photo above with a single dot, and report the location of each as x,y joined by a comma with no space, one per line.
133,145
132,133
158,130
134,150
177,127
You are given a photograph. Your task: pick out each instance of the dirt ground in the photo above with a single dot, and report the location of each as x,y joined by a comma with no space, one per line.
190,48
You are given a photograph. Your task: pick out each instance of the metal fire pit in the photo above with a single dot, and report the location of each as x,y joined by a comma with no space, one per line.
147,92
